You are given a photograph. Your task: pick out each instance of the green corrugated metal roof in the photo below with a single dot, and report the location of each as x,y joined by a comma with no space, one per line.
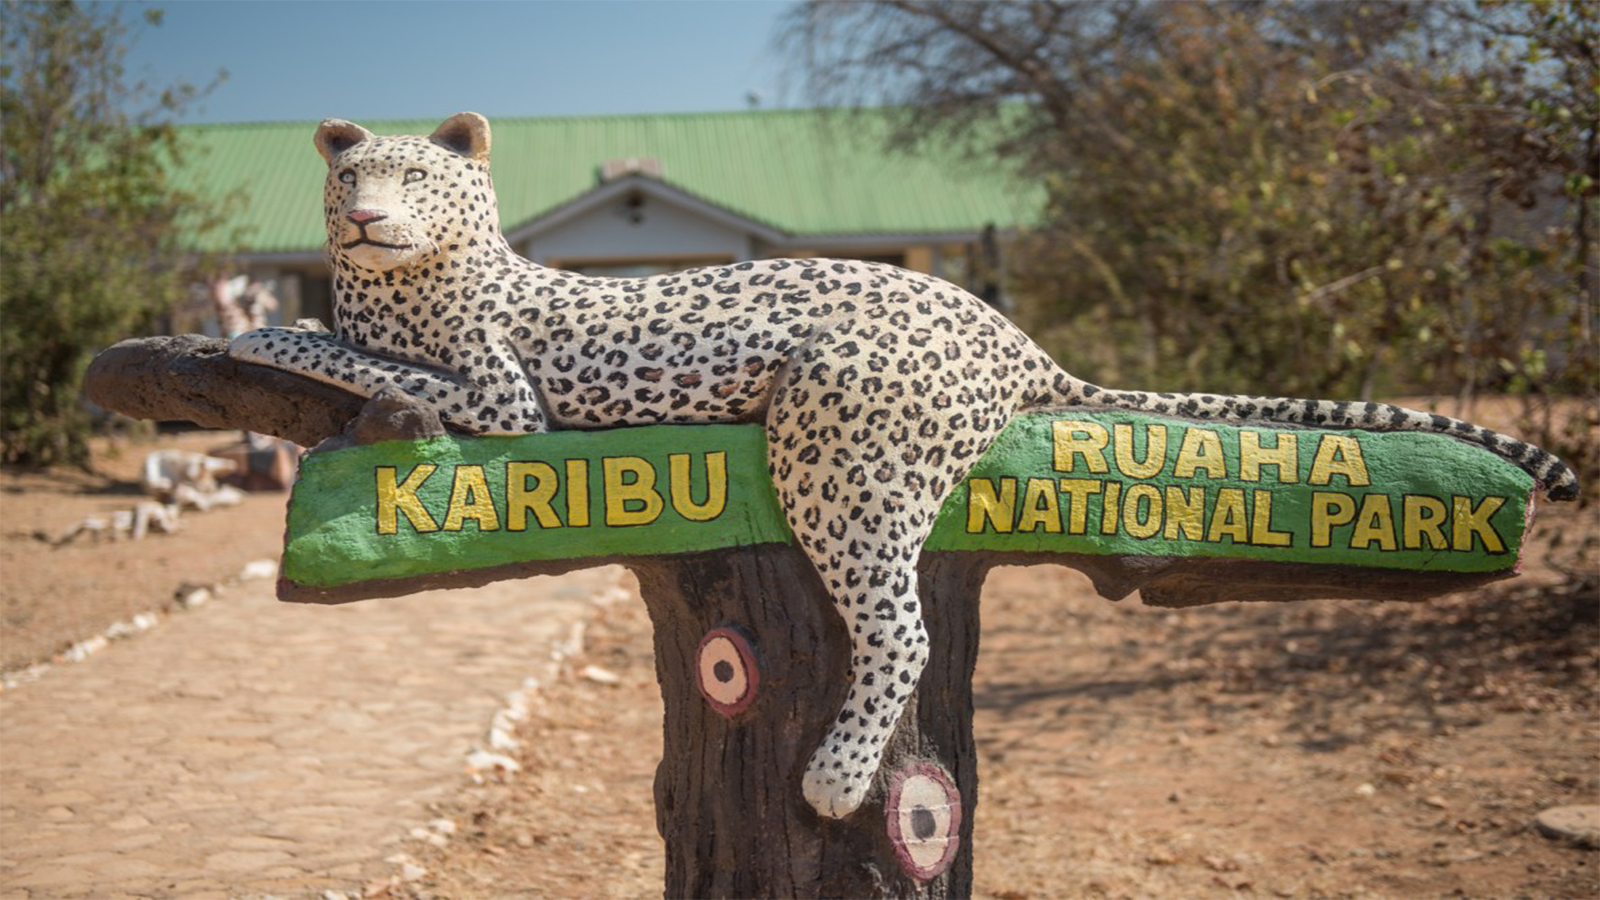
804,172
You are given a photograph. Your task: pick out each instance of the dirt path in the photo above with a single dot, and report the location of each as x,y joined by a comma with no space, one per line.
255,747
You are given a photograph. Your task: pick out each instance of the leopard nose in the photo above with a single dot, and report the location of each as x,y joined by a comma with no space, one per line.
363,216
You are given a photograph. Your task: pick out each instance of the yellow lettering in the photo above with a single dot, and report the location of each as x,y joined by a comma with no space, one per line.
578,493
1078,491
1228,520
520,498
630,502
1110,509
1285,455
1151,522
982,504
1155,450
1040,507
394,499
1339,454
1329,510
1261,533
1374,524
1068,444
716,486
1186,515
1201,449
1424,517
470,499
1469,521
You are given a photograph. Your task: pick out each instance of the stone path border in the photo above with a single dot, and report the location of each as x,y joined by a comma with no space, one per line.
189,597
266,748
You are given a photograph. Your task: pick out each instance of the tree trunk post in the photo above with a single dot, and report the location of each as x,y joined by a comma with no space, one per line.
728,801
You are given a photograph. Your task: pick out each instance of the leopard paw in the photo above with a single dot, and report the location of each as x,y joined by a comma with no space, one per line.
834,792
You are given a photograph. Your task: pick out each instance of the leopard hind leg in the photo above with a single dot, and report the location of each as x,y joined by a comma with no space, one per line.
861,492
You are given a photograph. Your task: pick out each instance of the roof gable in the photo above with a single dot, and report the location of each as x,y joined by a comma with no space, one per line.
604,194
795,172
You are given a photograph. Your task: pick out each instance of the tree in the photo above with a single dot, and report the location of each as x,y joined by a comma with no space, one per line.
94,237
1306,198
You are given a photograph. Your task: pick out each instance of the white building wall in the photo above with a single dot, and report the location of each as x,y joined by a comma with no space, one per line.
642,229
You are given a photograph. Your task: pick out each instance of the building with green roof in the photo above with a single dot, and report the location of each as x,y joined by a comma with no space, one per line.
639,194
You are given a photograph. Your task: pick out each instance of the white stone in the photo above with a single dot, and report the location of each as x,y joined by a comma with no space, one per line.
260,568
1578,824
483,759
502,740
600,675
84,649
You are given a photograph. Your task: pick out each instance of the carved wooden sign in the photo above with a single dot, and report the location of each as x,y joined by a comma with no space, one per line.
394,514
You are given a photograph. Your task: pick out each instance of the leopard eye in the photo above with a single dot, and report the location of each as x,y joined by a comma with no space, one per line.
348,176
414,175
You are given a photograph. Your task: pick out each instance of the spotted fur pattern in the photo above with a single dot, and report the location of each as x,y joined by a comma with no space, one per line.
879,388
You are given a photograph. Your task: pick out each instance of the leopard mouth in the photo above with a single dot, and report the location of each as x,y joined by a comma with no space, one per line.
369,242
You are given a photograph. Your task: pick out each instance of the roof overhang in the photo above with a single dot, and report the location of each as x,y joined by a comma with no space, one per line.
643,185
637,185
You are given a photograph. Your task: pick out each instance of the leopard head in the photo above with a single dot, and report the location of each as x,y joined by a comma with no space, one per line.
394,203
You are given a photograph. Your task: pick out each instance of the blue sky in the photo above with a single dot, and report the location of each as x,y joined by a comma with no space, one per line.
291,59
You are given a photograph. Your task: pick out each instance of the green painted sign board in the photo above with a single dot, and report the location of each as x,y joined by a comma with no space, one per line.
1077,482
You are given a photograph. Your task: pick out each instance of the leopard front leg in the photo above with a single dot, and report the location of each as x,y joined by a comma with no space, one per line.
495,398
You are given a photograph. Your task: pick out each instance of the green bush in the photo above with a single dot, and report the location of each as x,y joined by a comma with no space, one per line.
93,234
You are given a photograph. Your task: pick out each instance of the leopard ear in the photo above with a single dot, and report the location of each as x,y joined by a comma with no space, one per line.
465,133
335,136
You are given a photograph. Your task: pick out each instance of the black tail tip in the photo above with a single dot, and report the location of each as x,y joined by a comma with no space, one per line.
1563,491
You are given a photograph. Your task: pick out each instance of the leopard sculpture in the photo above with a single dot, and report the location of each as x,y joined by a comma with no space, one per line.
879,388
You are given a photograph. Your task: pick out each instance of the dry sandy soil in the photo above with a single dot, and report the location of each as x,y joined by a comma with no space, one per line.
1322,749
51,597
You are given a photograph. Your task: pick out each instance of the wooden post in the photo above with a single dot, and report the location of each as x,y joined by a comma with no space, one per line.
728,801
